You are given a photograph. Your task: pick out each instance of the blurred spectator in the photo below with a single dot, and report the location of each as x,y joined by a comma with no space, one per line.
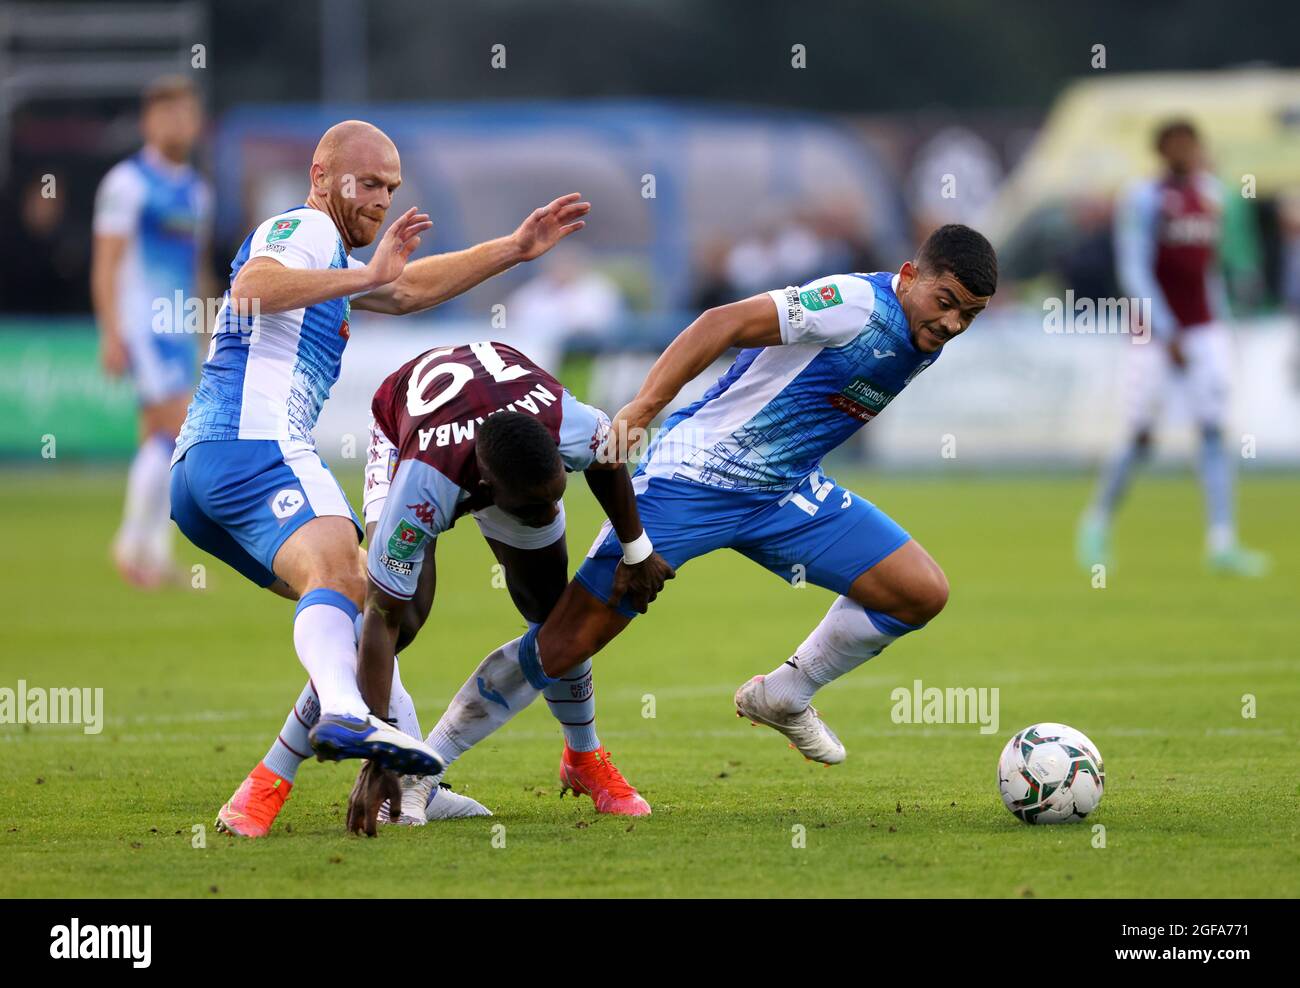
788,248
1288,209
568,298
1288,221
45,259
712,285
784,253
954,177
1086,261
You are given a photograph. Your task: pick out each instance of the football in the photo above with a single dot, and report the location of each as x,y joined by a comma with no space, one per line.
1051,773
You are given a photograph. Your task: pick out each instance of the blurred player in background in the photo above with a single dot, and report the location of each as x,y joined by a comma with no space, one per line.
247,483
151,222
1167,234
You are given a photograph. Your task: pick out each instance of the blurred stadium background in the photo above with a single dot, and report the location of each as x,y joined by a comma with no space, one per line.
716,169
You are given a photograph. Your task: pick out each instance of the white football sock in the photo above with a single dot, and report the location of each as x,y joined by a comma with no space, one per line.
494,692
158,546
292,747
325,639
148,485
401,707
845,638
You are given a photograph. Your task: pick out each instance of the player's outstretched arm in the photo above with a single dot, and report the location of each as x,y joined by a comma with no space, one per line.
274,287
433,280
642,572
748,323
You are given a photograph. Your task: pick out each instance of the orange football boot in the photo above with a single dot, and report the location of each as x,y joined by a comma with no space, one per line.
591,773
255,804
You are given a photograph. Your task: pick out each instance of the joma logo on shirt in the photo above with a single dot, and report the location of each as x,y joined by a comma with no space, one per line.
862,399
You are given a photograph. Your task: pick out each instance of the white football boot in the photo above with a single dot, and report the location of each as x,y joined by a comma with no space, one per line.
424,798
446,804
807,732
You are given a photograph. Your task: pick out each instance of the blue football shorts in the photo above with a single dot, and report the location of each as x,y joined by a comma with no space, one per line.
819,532
240,499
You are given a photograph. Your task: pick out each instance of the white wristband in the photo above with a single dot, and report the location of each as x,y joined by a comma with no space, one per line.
638,550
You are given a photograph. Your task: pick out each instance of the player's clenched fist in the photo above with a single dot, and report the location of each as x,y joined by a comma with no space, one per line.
373,786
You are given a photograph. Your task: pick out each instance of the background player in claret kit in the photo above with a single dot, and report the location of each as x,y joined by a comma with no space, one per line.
152,213
481,430
740,469
247,484
1167,233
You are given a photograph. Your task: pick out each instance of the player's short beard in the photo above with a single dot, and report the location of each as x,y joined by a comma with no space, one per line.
361,238
360,234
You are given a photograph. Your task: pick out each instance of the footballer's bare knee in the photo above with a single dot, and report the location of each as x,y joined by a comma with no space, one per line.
927,596
557,660
563,646
907,584
922,587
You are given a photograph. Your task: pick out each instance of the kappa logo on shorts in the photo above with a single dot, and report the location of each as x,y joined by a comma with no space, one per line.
287,503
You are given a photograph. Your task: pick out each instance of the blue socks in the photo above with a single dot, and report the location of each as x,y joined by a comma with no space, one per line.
530,661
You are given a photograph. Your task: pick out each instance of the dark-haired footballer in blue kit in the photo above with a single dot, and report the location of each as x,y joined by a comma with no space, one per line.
740,469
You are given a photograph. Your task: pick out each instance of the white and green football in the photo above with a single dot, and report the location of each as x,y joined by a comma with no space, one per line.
1051,773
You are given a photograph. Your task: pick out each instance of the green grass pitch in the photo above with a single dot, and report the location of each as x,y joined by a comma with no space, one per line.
1200,800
